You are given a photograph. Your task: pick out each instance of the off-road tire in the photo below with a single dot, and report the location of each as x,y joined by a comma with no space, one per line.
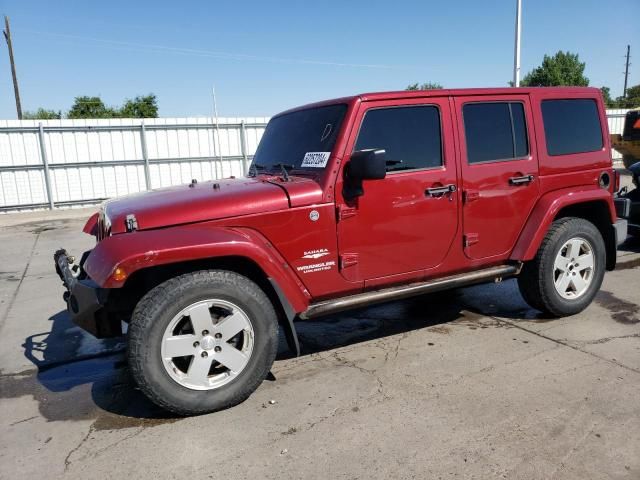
156,309
536,281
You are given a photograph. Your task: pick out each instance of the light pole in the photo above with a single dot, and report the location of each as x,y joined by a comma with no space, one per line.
516,53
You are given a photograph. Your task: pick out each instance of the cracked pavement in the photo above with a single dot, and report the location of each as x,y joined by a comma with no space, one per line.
468,384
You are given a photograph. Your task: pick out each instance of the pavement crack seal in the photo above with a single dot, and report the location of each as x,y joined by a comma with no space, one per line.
608,339
577,444
95,453
343,362
24,274
23,420
397,349
67,460
566,344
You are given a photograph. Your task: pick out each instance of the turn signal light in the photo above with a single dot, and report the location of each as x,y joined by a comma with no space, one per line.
119,274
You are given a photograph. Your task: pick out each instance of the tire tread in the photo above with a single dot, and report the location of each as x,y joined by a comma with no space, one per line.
146,313
531,280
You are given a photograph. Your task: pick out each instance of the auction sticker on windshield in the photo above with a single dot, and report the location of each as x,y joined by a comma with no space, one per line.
315,159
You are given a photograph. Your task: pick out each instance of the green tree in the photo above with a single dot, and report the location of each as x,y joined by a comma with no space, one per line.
424,86
564,68
91,107
606,96
140,107
42,114
632,100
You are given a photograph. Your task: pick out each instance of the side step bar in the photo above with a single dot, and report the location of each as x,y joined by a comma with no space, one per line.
404,291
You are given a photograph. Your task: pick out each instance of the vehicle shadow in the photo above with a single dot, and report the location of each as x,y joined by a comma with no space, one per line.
375,322
79,377
631,245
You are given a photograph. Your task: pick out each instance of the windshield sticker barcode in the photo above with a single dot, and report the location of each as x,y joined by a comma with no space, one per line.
315,159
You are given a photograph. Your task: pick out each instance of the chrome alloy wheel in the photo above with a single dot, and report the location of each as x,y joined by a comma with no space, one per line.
573,269
207,344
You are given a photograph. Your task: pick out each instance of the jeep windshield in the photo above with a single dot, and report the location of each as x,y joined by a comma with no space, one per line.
300,140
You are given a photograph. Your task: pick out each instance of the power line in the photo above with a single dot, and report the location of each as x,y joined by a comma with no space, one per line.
215,54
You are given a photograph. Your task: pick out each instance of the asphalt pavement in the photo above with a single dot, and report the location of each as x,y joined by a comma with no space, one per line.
464,384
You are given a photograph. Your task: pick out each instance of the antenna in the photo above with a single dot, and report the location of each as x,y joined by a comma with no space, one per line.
217,132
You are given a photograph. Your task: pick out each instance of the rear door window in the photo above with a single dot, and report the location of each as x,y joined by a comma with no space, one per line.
495,131
571,126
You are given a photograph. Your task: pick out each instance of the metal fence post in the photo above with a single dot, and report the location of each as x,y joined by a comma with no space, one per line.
243,147
45,164
145,155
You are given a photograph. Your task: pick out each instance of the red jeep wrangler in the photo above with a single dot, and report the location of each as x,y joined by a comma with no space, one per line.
350,202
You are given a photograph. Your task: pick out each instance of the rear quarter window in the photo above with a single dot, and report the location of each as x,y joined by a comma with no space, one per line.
571,126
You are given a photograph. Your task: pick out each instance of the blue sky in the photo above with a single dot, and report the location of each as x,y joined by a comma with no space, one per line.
266,56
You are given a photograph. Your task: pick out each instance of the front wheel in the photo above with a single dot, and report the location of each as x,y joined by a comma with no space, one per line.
202,342
568,269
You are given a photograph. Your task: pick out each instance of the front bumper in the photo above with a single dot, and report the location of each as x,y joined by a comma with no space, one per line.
86,301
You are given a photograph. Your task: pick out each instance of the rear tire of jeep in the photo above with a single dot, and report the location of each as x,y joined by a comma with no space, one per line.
568,269
202,341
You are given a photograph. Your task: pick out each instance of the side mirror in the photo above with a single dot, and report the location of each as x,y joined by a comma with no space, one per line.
363,165
367,165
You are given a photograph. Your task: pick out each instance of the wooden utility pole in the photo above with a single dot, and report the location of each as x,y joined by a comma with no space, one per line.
7,37
626,72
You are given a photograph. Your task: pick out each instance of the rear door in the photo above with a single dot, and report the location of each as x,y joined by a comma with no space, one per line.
499,171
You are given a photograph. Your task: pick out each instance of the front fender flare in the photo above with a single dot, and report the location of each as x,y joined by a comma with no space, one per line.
142,249
545,212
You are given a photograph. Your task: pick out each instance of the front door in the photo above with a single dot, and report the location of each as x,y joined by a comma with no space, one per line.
405,223
499,172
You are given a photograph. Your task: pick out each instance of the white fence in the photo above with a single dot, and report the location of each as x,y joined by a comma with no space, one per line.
63,163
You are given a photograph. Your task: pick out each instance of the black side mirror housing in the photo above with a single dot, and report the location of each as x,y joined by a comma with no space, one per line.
363,165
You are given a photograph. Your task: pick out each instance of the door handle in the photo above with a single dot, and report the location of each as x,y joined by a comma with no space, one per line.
523,180
439,191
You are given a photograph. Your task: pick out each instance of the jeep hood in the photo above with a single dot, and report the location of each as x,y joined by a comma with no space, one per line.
209,201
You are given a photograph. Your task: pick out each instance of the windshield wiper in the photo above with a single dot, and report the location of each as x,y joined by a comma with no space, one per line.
284,168
253,169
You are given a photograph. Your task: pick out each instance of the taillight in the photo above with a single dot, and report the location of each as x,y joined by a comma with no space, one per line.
616,180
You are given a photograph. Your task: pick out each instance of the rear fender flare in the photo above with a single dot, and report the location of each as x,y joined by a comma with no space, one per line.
142,249
546,211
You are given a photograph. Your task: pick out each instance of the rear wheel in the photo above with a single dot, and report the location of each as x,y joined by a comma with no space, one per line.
202,342
568,269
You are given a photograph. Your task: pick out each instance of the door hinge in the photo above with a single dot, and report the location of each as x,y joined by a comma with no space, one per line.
471,239
348,260
346,212
471,195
